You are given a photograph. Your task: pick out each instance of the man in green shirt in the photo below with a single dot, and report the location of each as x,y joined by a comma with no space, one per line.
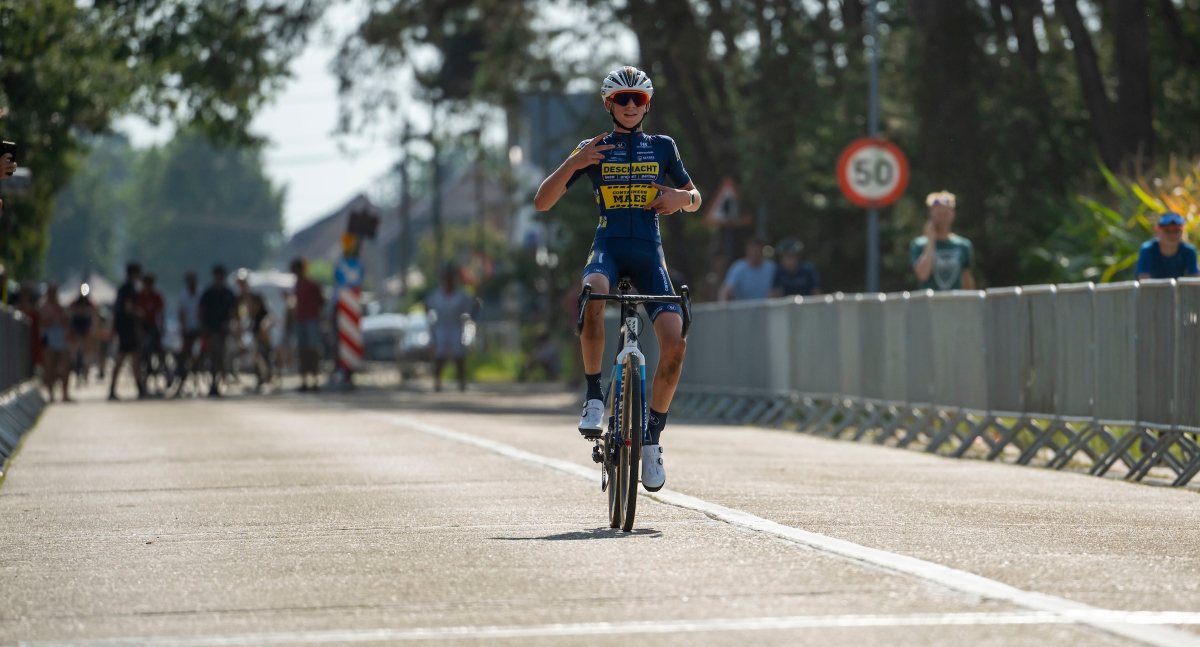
942,260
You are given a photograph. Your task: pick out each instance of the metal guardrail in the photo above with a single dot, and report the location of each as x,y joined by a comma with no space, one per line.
16,351
1080,376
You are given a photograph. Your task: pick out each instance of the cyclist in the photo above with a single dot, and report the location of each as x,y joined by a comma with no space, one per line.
627,168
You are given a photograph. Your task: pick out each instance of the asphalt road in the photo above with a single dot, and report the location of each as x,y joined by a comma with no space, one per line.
395,517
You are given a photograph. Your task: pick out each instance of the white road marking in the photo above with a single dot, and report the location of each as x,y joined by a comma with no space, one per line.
1141,619
946,576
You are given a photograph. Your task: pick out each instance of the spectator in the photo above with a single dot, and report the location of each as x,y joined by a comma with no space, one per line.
749,277
27,304
56,367
8,166
307,324
83,343
259,324
151,317
125,326
189,326
1167,256
942,260
794,277
449,305
6,297
218,306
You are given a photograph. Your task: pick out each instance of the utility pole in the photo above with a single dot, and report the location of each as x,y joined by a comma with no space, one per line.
872,131
437,192
479,198
405,207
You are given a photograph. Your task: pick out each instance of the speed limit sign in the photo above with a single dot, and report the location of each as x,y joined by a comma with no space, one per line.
872,172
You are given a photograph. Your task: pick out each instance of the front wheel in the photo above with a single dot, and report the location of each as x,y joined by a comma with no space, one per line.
630,440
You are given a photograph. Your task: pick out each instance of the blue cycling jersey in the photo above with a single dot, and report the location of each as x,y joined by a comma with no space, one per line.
622,182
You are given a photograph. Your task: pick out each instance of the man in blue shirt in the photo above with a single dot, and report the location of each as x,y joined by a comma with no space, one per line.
1167,256
750,277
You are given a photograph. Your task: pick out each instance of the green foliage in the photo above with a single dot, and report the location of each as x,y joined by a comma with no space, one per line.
68,68
183,206
1100,243
988,99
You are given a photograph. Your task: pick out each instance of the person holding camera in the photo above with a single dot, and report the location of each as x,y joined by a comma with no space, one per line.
941,259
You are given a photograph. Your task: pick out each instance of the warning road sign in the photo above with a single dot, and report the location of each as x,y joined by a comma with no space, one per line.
872,172
723,207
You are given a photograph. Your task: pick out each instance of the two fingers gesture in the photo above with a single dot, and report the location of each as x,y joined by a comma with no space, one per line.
592,152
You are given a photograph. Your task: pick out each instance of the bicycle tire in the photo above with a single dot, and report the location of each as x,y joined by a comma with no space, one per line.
614,480
631,434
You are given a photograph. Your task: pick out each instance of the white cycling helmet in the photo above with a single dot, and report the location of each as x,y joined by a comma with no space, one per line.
625,79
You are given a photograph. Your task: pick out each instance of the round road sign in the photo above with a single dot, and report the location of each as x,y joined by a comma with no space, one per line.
872,172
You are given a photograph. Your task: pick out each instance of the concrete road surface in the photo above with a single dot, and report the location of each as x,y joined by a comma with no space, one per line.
397,517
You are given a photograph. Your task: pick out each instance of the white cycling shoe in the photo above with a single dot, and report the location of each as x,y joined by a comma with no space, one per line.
654,473
591,423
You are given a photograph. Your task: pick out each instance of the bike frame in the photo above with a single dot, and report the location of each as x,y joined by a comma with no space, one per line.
629,338
629,346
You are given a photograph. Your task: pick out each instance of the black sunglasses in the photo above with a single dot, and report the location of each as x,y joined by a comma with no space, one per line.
639,99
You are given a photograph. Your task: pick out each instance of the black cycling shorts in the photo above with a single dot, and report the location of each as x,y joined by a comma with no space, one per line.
641,260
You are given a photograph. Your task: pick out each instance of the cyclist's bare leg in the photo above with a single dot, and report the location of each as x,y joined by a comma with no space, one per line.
671,346
592,338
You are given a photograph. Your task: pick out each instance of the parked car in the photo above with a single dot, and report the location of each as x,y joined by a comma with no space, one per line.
414,348
381,336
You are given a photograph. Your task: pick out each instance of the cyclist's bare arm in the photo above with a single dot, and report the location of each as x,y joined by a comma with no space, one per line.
672,200
555,186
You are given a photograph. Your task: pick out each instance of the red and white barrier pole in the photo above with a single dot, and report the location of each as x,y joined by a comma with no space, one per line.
349,329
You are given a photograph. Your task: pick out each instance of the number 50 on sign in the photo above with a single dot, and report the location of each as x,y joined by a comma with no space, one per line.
872,172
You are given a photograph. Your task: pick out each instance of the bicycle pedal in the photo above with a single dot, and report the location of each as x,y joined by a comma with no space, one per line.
597,454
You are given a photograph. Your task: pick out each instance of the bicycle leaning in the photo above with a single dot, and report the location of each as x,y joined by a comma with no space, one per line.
618,450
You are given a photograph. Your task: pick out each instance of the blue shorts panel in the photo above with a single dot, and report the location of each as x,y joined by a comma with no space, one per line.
641,260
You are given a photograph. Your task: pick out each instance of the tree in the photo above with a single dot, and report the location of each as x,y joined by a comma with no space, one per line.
183,206
68,68
1004,102
82,230
195,205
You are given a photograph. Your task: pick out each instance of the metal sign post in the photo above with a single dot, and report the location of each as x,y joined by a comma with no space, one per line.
872,131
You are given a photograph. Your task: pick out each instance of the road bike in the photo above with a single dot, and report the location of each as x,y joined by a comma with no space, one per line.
619,448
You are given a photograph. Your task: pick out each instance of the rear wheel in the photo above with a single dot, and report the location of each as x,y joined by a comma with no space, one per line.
631,440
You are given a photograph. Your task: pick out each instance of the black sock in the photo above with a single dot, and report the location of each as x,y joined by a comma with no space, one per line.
657,422
594,390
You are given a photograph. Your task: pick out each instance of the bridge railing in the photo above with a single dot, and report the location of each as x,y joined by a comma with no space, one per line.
20,400
1083,376
16,352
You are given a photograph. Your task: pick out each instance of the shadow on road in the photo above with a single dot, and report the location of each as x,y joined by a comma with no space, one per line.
475,401
596,533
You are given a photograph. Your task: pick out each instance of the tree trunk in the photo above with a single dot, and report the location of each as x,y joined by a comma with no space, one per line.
1134,127
852,14
1023,13
1184,49
690,102
1092,83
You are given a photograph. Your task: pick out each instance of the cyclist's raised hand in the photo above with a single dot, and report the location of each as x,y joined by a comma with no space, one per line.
669,200
590,154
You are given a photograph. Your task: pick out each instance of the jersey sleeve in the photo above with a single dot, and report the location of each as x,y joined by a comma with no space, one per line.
576,175
969,255
675,171
1192,268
